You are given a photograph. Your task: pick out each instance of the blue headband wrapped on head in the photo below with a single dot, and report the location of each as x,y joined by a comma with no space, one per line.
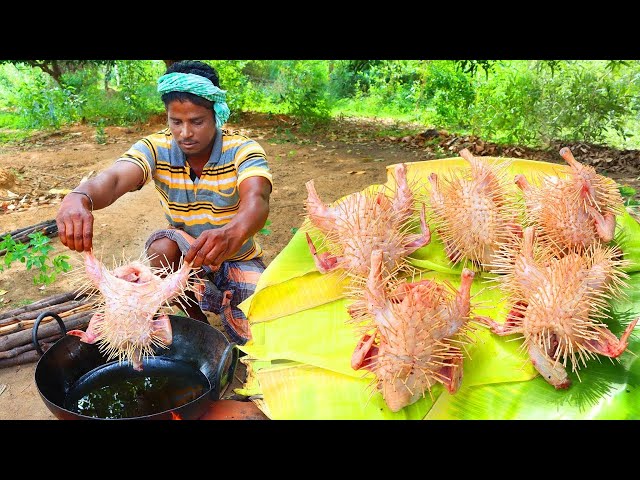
200,86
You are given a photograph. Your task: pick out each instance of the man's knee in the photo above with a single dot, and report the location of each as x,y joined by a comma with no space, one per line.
163,252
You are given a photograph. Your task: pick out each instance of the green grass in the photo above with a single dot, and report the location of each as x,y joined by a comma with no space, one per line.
8,119
22,303
11,129
372,108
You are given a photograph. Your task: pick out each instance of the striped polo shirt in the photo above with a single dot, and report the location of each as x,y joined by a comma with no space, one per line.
213,199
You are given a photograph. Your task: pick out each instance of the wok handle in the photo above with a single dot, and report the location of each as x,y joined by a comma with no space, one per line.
230,350
34,331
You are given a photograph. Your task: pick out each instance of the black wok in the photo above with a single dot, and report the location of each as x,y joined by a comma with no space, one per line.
198,350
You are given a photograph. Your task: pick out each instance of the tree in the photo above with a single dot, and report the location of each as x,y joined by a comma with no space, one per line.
57,68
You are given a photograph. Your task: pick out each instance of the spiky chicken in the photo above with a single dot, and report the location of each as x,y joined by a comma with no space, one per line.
474,210
362,222
559,304
576,212
127,325
414,332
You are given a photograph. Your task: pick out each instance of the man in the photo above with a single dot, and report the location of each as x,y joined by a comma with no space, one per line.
214,188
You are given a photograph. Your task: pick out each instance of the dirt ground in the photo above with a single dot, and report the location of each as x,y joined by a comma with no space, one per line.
342,158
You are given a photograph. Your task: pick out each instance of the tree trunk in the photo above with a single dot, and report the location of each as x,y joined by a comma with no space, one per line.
107,76
52,67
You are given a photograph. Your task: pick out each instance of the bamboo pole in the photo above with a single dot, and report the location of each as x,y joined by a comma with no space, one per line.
27,353
28,322
45,302
14,352
23,237
23,337
26,357
18,231
61,307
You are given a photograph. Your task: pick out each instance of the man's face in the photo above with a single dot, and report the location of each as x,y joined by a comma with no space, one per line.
192,126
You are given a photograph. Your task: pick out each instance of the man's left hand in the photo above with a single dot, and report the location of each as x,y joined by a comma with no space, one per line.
212,248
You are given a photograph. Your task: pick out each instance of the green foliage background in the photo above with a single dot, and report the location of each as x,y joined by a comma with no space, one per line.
526,102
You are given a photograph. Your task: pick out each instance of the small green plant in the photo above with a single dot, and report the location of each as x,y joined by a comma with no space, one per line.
264,230
101,136
627,192
34,254
628,196
283,135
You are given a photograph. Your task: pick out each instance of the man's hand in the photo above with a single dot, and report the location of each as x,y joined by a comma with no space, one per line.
75,222
74,217
213,247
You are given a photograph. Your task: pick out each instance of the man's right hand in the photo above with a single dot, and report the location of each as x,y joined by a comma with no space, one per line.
74,218
75,222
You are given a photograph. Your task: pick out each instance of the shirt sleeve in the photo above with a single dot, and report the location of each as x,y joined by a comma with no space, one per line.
143,154
251,161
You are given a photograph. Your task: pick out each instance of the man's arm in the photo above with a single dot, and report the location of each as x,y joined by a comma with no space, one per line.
214,246
74,218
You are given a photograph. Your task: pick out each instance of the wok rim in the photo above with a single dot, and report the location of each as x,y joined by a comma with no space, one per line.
80,416
201,403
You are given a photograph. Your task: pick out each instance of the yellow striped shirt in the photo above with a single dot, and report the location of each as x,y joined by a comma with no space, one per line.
211,201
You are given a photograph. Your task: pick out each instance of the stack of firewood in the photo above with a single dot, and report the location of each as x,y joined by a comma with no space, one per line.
16,326
48,228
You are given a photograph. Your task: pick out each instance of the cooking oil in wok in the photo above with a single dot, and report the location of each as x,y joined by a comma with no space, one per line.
117,391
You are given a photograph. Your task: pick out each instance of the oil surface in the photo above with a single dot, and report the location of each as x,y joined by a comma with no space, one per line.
118,391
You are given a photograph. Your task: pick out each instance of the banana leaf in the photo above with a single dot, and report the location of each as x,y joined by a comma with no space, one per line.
302,344
321,336
604,389
300,391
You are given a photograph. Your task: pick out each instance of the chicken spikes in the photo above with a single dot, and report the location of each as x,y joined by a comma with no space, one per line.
576,212
127,325
415,334
559,305
362,222
474,210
